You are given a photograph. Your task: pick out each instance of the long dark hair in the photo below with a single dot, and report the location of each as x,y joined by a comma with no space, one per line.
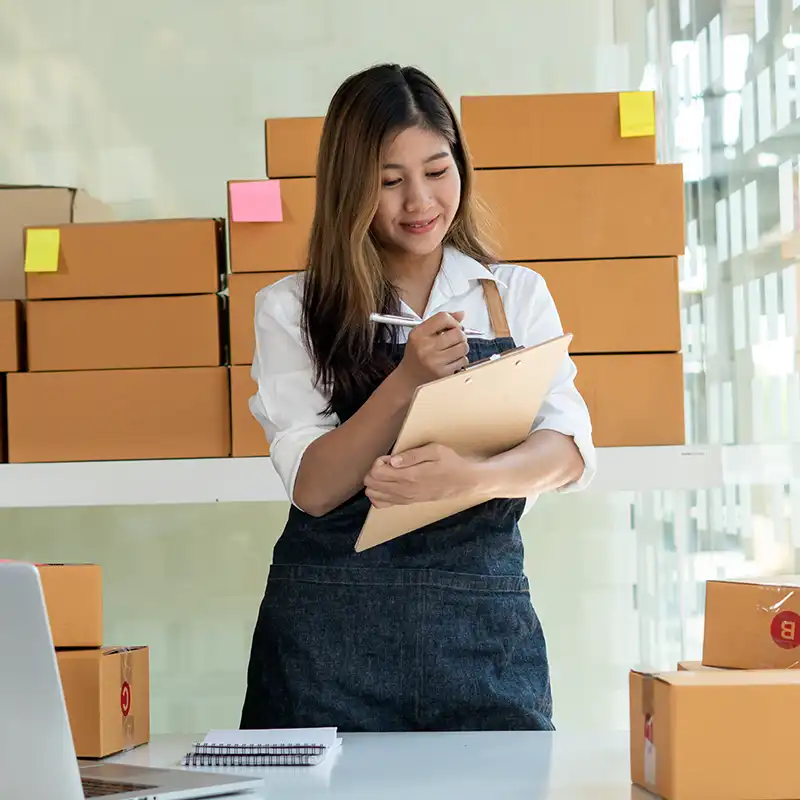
345,278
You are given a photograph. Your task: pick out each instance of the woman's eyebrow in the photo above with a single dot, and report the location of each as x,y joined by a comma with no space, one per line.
428,160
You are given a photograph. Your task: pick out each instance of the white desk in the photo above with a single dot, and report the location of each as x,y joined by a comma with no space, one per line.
441,766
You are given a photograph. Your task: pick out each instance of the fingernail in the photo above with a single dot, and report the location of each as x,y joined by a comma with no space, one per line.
396,461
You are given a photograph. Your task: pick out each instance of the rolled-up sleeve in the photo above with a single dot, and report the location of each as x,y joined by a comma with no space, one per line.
287,404
563,409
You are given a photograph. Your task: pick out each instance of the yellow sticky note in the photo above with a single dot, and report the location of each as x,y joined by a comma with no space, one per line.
637,114
41,250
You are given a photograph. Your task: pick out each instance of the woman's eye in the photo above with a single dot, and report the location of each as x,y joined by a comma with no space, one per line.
438,173
389,183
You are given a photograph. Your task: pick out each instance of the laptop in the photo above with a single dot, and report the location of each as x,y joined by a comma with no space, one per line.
37,754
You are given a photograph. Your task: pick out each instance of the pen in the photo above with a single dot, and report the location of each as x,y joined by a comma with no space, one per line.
410,322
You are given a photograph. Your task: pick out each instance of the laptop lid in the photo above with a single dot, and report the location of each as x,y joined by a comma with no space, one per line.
37,756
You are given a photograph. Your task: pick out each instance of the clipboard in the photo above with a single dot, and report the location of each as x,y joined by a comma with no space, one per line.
483,410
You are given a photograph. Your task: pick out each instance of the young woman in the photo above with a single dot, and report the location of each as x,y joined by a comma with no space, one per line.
433,630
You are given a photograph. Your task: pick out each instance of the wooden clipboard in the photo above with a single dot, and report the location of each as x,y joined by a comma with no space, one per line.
483,410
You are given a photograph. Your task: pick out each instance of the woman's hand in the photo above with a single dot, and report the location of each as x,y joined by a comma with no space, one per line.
436,348
432,472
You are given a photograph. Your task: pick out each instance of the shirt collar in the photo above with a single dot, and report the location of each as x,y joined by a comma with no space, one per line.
459,270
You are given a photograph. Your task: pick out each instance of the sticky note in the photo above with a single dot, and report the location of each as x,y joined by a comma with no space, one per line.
637,114
256,201
41,250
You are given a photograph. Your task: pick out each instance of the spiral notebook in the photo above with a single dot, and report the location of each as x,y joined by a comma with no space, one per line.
296,747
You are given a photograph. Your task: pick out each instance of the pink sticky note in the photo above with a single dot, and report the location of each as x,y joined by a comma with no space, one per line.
256,201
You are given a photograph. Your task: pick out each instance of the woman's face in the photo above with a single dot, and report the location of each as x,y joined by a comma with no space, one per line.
420,192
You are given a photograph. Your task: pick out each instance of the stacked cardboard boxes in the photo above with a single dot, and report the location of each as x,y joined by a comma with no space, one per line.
725,727
107,689
574,192
11,359
124,343
269,223
21,206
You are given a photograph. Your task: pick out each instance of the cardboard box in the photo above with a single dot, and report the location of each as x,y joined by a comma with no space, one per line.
550,130
11,336
242,290
575,213
694,666
722,735
291,146
633,400
752,625
21,206
628,305
275,246
119,415
107,692
3,421
248,436
73,595
124,333
134,259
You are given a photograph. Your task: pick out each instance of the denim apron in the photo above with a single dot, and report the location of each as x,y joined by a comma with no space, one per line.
432,631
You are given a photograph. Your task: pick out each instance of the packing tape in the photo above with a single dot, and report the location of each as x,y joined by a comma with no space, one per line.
648,694
126,698
784,623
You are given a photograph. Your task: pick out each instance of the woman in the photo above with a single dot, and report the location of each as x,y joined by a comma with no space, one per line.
433,630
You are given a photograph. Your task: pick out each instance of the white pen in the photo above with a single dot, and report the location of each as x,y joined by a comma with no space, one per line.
411,322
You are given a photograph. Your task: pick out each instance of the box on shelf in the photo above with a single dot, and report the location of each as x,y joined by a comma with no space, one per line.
11,336
107,692
137,258
124,333
634,400
106,415
273,246
291,146
73,595
626,305
248,437
551,130
715,734
22,206
574,213
752,625
3,422
242,290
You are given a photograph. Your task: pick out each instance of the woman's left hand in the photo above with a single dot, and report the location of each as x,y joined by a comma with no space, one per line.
432,472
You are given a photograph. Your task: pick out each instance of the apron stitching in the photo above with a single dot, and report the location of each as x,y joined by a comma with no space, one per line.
419,656
402,585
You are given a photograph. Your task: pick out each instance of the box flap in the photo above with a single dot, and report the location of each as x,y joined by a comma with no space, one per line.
776,581
5,186
112,650
735,677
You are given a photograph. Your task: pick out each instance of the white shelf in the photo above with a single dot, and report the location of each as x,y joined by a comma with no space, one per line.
248,480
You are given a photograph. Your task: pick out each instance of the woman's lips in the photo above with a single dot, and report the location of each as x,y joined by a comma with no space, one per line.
423,226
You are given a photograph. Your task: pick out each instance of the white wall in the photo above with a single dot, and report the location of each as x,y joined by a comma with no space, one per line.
153,105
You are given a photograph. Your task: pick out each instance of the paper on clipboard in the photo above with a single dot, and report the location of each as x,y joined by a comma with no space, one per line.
483,410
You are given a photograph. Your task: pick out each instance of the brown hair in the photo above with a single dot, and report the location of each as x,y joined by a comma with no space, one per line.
345,279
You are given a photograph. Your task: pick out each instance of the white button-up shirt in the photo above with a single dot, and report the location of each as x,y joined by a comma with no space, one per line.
290,407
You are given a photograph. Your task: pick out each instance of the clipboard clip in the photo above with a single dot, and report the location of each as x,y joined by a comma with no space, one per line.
488,359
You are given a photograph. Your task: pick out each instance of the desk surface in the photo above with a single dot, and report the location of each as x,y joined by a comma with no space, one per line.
462,766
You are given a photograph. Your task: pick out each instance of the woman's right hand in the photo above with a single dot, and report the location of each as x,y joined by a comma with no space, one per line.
436,348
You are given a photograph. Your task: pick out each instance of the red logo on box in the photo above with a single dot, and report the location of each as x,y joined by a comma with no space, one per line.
125,698
785,630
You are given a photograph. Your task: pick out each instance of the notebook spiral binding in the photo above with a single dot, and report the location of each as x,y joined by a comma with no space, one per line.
253,755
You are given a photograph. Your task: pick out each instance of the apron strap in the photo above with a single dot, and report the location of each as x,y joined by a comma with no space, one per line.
497,312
